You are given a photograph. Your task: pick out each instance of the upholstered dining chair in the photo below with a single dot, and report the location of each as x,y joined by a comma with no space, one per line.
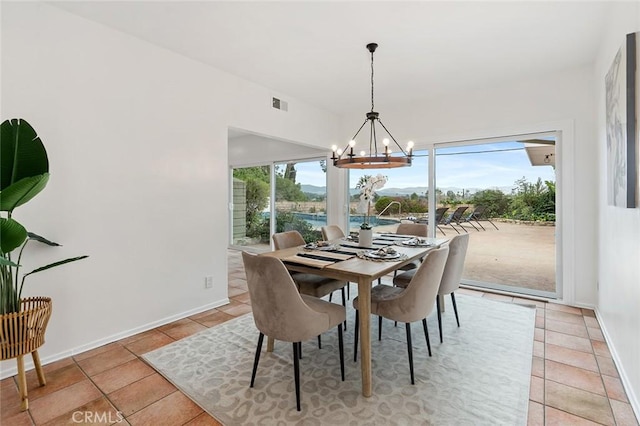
417,230
309,284
410,304
450,278
281,312
331,232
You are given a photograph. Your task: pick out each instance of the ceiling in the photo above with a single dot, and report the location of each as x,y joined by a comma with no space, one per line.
315,51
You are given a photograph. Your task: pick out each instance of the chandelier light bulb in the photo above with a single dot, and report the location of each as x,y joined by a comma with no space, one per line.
410,145
352,143
385,141
334,148
339,152
362,153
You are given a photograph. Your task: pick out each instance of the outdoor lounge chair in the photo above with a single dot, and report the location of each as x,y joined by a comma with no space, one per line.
440,211
475,216
456,217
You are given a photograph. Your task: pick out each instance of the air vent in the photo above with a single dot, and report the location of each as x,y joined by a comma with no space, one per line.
279,104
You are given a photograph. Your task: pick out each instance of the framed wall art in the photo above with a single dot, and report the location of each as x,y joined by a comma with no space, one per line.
621,85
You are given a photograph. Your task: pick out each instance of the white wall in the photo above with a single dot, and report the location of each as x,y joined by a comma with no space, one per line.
619,254
137,140
563,101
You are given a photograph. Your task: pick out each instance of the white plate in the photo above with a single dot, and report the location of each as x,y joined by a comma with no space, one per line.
314,246
386,256
414,243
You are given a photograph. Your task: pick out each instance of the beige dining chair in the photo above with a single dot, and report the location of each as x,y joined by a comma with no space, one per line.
450,278
309,284
410,304
331,232
414,229
281,312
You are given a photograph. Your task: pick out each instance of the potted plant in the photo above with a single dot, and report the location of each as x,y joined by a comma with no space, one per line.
24,172
368,186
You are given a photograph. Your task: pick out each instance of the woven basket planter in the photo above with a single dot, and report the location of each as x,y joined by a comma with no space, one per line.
22,333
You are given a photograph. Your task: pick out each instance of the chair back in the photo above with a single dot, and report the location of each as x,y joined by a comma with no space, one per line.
417,229
283,240
440,211
278,308
457,214
418,299
455,264
478,212
331,232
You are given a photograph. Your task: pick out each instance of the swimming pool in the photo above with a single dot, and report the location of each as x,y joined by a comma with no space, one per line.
317,220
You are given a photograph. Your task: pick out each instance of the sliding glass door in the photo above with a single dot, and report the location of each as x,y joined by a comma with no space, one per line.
504,194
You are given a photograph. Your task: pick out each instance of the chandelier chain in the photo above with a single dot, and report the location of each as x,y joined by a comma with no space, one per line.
371,81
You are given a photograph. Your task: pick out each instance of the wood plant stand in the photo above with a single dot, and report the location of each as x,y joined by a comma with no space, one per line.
22,333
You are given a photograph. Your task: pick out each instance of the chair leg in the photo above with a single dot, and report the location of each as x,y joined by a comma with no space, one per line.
455,308
379,327
296,373
299,350
426,334
341,349
439,316
348,291
410,351
257,359
355,333
454,228
39,371
319,341
344,303
330,296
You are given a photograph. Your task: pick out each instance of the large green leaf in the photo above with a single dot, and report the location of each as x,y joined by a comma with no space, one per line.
12,235
53,265
22,153
22,191
4,261
43,240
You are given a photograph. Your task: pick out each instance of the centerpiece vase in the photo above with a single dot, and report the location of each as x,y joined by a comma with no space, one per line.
365,239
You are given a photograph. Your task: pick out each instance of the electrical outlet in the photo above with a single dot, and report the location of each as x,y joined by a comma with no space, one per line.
208,282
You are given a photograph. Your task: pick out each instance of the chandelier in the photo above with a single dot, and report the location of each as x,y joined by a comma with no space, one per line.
377,157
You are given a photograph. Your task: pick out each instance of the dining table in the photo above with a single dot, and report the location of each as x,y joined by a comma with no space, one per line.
343,259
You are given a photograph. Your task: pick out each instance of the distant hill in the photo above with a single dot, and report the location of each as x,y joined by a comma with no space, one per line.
399,192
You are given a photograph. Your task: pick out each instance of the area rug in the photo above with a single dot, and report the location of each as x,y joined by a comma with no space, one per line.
479,375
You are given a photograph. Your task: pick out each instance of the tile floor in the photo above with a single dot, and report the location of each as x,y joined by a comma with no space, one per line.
573,380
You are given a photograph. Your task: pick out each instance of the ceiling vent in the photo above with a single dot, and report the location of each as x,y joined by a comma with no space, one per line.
279,104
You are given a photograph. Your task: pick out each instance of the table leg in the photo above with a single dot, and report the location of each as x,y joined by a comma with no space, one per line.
364,306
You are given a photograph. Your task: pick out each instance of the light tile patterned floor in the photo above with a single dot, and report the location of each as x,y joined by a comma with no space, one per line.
573,381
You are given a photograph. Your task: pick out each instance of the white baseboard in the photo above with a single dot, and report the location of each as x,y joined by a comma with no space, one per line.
28,362
633,399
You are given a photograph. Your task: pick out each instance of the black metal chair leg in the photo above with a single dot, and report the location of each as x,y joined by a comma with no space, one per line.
439,316
379,327
330,296
355,333
455,308
341,349
348,291
319,341
344,303
410,351
426,334
257,359
296,373
300,350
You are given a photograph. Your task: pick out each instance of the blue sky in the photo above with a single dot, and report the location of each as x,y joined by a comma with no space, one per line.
473,169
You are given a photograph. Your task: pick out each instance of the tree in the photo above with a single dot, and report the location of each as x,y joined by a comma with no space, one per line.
496,202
